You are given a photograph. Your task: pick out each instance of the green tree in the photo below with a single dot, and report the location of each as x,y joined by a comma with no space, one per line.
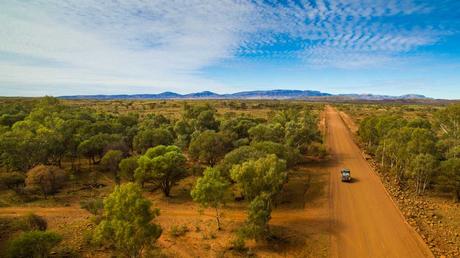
209,147
110,162
183,131
154,121
267,174
290,155
127,221
152,137
259,181
394,152
450,177
421,169
448,122
238,156
164,165
421,141
267,132
211,191
33,244
301,133
19,150
93,148
201,117
259,215
206,121
238,126
127,168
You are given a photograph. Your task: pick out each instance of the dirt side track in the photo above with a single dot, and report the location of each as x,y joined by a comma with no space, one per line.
365,221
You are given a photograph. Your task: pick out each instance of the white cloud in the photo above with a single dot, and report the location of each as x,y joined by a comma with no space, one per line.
164,44
136,42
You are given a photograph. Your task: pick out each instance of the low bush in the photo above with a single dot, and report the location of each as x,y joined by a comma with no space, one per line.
31,222
238,244
94,206
13,180
33,244
177,231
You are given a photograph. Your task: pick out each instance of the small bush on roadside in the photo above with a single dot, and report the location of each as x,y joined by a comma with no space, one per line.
31,222
177,231
238,244
33,244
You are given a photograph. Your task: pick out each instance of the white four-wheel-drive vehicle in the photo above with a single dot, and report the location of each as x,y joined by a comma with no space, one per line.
346,175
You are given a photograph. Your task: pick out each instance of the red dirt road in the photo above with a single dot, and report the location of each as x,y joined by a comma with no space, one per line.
364,220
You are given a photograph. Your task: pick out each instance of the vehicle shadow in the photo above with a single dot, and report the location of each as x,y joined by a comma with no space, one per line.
353,180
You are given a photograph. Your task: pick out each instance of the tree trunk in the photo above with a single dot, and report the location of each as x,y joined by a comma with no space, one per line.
166,188
218,218
383,154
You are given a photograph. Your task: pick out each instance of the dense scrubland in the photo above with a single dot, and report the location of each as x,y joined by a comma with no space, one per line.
112,158
416,149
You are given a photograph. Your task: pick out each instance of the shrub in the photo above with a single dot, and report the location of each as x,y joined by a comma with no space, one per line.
238,244
177,231
94,206
48,179
33,244
13,180
31,222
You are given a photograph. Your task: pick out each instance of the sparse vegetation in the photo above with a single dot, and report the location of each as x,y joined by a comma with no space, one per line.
33,244
31,222
78,151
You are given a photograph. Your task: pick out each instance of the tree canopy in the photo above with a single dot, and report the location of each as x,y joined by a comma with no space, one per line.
127,221
163,165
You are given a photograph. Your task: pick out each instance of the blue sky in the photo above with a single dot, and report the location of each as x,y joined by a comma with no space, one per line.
64,47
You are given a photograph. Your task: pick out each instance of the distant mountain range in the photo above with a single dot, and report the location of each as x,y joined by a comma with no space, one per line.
260,94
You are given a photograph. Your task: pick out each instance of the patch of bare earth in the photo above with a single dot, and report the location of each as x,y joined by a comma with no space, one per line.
299,222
